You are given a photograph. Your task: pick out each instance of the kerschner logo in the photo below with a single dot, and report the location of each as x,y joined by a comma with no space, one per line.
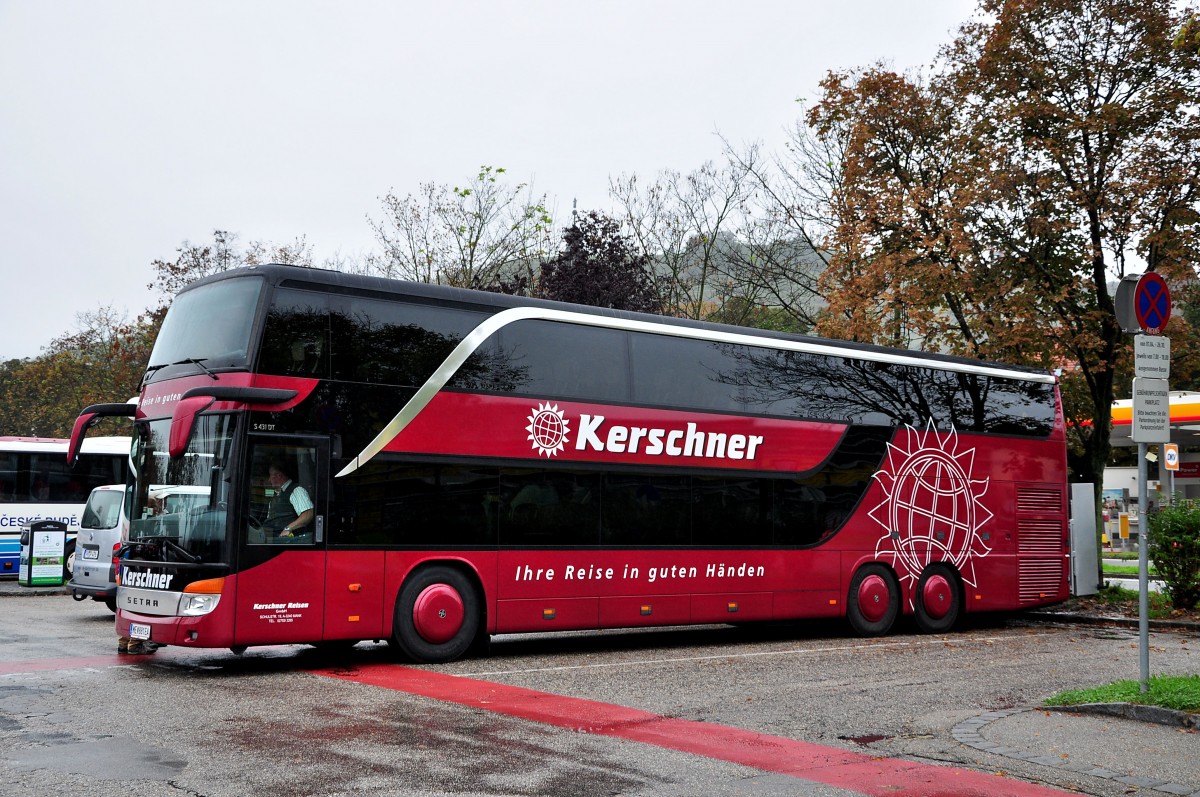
547,429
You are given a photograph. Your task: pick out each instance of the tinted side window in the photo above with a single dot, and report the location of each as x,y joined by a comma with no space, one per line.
296,340
731,511
552,359
554,508
394,343
646,510
1023,408
679,372
427,506
820,387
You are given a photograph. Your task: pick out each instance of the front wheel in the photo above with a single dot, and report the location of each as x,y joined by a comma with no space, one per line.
874,600
438,615
69,562
939,599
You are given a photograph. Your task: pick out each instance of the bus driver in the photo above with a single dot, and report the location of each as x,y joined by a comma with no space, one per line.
291,510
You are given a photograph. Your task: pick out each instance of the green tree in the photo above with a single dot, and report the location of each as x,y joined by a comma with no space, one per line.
1174,547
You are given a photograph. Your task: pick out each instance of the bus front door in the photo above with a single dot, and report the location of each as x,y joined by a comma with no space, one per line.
281,555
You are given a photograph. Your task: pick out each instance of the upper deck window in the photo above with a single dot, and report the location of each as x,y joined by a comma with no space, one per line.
212,323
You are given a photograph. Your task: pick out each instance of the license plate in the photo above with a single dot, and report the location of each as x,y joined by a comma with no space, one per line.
90,553
139,631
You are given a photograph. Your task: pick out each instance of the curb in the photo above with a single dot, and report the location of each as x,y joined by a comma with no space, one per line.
1127,622
968,732
10,588
1133,711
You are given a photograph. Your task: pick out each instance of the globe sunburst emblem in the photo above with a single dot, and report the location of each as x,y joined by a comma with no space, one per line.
932,509
547,429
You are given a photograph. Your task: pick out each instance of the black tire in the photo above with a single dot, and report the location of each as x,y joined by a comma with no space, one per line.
111,603
938,600
438,615
69,561
873,603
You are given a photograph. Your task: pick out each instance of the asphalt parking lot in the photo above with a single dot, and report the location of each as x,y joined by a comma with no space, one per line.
803,709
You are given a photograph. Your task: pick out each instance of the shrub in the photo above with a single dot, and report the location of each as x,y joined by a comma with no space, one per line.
1174,545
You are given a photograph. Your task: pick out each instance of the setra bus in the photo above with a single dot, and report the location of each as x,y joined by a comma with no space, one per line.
474,464
36,483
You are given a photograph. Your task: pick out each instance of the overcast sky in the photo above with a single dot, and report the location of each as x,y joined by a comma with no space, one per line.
127,128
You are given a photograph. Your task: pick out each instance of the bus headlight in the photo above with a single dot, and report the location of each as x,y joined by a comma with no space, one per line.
201,597
194,605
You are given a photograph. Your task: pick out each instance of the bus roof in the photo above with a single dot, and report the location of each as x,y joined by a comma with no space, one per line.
304,277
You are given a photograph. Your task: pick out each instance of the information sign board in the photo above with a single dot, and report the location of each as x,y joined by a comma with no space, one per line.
1152,356
1151,411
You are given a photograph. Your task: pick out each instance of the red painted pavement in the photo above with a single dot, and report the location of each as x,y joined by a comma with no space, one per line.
867,774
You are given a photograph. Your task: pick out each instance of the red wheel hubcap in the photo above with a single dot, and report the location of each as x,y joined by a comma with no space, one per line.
438,613
935,597
873,598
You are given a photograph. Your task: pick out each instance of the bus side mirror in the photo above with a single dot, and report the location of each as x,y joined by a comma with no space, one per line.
183,420
89,418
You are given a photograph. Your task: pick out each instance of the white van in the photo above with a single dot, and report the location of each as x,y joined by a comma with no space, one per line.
100,531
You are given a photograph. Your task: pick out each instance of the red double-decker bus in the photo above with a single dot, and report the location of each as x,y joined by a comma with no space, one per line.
372,459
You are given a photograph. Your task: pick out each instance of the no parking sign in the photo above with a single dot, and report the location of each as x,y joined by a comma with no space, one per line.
1143,303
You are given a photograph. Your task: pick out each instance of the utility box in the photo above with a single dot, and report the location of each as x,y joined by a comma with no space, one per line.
43,554
1085,557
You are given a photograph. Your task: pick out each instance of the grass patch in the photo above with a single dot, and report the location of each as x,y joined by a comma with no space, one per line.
1127,570
1125,601
1179,692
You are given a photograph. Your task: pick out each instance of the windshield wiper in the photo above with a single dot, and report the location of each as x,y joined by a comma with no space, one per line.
200,362
191,360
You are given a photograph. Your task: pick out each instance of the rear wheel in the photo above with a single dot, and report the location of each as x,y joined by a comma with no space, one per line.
438,614
939,600
874,600
69,562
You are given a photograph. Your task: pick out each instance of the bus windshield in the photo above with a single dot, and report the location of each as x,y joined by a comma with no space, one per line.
179,505
211,324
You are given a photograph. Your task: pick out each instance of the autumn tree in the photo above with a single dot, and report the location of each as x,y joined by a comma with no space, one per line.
600,266
101,361
987,209
473,236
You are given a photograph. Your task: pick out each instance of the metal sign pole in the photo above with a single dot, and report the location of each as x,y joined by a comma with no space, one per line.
1143,574
1143,308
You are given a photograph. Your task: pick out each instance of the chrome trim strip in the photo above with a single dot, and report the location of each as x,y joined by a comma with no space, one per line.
471,342
149,601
